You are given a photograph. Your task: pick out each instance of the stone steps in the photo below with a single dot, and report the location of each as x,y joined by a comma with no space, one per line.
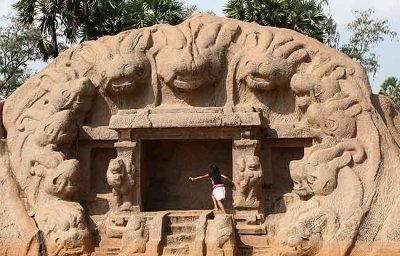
108,246
254,245
255,251
184,218
178,228
179,233
104,253
180,239
176,250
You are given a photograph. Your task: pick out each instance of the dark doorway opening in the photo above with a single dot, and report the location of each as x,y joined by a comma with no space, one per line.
100,160
276,155
167,165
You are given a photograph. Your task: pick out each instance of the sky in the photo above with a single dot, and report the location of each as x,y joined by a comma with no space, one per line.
342,11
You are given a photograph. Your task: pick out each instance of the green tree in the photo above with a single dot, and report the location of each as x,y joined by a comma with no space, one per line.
81,20
46,16
17,48
304,16
131,14
366,32
391,88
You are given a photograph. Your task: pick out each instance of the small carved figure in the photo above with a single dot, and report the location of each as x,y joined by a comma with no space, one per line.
248,181
135,236
220,236
121,181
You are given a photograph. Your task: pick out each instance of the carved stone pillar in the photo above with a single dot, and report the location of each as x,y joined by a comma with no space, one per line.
247,176
126,151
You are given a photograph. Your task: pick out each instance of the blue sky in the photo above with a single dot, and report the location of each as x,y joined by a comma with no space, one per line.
341,10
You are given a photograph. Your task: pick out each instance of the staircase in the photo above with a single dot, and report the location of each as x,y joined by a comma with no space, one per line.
179,233
252,245
108,247
182,233
112,244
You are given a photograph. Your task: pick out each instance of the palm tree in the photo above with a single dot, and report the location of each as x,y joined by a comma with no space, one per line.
82,20
162,11
46,14
304,16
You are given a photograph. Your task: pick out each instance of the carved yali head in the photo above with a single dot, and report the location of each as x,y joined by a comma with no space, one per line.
74,95
319,86
193,56
308,89
299,178
321,176
317,172
306,232
269,61
128,66
59,130
335,117
64,227
63,181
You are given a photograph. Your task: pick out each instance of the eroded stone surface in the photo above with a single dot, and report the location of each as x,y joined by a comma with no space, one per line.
74,134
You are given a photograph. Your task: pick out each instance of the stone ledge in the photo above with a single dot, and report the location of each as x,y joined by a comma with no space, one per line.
165,118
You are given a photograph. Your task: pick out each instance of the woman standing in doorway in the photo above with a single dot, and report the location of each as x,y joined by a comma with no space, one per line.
218,193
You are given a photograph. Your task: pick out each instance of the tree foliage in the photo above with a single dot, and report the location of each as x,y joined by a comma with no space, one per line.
45,14
366,32
304,16
81,20
17,48
391,88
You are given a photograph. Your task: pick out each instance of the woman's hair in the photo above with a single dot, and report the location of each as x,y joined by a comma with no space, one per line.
214,168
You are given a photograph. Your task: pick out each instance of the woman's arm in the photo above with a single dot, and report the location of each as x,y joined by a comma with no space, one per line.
226,177
198,177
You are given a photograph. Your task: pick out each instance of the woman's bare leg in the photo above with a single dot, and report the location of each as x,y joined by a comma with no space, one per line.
221,205
215,202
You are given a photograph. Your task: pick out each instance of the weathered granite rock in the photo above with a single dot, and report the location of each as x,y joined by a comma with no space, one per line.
209,78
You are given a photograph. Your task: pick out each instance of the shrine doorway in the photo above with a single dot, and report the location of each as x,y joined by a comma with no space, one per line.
166,166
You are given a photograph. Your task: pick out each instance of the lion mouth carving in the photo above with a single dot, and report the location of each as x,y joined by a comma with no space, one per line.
258,82
187,82
123,85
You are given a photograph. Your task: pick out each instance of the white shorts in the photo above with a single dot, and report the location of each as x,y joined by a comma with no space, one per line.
219,193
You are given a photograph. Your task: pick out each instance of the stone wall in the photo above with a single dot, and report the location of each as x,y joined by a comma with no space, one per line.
207,78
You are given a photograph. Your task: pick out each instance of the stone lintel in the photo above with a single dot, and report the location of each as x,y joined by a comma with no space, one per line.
161,118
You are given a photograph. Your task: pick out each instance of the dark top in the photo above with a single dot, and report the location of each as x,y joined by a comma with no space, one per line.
215,178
